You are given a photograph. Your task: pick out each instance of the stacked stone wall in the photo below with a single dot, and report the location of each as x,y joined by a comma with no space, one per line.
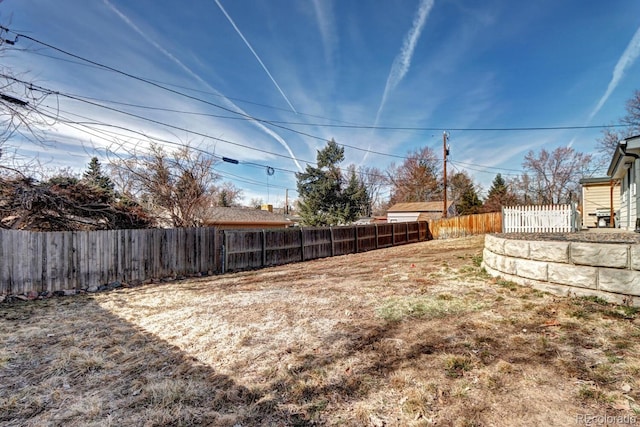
607,270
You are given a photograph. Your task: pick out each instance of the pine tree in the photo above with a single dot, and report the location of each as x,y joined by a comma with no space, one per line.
94,177
355,199
464,195
324,198
499,196
470,203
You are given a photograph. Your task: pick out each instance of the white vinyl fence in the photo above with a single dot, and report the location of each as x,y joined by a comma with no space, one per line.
540,219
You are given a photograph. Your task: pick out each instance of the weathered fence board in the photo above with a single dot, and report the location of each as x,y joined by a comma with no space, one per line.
242,249
282,246
316,242
467,225
32,262
344,240
385,235
367,238
301,243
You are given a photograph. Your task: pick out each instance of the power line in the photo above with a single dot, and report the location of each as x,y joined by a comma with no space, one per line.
487,167
92,121
484,169
176,92
228,175
248,117
346,125
52,92
191,89
464,165
279,124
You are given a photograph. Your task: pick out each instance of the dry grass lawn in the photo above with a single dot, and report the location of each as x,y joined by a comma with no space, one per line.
410,336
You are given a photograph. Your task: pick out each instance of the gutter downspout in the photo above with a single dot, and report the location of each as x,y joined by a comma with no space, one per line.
611,212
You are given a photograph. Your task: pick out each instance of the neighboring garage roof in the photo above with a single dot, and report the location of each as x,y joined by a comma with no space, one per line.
418,207
244,216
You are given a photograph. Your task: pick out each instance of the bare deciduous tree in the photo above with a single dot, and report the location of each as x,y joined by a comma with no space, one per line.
553,177
20,115
374,180
632,119
179,185
226,195
416,179
608,142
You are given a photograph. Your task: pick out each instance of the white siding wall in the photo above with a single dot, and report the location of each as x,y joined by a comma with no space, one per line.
624,203
402,216
597,197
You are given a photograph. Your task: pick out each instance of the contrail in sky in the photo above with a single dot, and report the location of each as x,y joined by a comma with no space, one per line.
199,79
628,57
264,67
402,62
324,17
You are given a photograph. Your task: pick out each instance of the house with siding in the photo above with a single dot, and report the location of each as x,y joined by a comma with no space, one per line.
234,218
624,169
599,196
419,211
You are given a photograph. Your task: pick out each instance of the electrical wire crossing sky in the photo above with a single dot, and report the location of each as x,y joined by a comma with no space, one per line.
269,83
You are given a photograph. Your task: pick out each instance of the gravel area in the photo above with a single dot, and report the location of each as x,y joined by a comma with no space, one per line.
601,236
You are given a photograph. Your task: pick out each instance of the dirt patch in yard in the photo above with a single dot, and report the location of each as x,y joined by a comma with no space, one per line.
414,335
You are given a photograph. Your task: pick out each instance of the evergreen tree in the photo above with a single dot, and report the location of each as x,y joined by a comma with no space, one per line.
499,196
324,199
464,195
94,177
470,203
355,198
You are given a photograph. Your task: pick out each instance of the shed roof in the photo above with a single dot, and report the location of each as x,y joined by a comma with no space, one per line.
419,207
221,215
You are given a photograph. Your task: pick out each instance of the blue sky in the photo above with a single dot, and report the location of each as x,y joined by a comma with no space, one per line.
311,65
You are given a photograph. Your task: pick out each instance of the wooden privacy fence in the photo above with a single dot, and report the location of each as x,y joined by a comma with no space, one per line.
36,262
54,261
467,225
246,249
540,219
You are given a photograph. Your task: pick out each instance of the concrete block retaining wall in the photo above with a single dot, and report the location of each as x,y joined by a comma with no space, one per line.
607,270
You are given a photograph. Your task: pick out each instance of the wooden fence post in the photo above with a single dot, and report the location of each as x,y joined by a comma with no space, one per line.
331,240
264,248
301,245
377,243
225,242
355,236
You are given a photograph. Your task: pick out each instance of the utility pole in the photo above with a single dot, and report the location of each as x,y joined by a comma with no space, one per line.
445,151
286,201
